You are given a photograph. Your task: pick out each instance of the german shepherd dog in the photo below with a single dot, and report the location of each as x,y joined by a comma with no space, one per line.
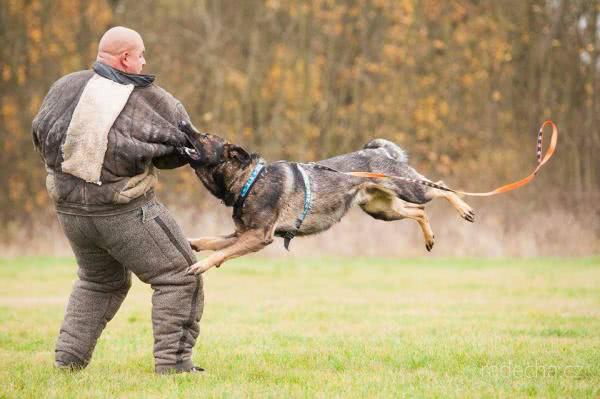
278,195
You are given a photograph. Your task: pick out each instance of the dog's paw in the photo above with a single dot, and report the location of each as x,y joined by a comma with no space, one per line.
469,215
194,246
199,267
429,243
202,266
465,211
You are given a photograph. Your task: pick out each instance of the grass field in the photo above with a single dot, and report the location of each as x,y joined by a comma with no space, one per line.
328,328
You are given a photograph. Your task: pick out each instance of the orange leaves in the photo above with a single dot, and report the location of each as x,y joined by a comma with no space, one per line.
35,35
21,76
428,116
16,188
43,40
9,111
394,54
306,80
236,79
6,72
34,103
99,15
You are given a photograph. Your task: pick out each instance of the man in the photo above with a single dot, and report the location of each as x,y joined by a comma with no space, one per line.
101,133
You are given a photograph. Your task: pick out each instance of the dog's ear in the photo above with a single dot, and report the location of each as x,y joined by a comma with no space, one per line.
233,151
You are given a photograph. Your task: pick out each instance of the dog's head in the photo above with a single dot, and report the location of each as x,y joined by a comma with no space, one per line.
211,150
214,159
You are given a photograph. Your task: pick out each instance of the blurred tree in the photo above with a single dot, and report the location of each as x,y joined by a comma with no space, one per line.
41,41
462,85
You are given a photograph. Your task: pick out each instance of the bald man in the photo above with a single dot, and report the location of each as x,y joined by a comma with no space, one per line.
102,133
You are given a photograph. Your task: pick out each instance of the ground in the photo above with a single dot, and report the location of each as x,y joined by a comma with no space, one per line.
332,327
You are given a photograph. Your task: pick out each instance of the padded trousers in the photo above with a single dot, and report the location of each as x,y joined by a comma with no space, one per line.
148,242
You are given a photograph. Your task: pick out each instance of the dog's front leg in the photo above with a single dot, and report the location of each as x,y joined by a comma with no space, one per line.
212,243
249,241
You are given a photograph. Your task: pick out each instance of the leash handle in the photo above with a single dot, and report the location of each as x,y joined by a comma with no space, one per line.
502,189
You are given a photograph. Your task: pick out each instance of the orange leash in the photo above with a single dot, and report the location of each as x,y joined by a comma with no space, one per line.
503,189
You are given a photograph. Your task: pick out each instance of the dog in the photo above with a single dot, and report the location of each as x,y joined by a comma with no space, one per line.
270,200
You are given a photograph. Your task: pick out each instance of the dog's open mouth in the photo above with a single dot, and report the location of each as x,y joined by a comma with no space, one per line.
189,153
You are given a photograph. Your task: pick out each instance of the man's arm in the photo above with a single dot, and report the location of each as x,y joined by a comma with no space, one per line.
170,161
36,141
174,159
36,136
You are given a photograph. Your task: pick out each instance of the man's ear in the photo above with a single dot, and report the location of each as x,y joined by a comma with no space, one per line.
123,59
233,151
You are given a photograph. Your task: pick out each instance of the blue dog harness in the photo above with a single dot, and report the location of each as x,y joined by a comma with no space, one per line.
289,235
254,176
239,202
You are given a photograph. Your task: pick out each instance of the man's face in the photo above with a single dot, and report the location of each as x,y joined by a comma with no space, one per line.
133,60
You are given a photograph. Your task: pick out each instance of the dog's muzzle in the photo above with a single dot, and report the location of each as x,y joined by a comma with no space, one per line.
190,154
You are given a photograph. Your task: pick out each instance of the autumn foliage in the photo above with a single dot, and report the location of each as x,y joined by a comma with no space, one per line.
462,85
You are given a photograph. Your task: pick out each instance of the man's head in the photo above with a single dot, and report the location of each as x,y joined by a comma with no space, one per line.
123,49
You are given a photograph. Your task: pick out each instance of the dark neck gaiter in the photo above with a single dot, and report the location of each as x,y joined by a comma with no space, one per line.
121,77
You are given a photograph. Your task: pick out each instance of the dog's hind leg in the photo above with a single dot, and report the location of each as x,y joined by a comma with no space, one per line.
215,243
382,204
463,209
407,210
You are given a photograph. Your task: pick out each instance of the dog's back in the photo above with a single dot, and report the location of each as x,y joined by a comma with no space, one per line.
384,156
392,150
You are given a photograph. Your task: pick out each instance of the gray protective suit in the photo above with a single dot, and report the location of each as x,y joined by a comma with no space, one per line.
116,226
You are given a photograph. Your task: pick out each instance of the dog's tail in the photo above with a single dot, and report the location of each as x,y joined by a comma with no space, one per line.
392,149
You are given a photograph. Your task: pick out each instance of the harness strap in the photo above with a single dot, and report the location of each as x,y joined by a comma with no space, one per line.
239,202
289,235
307,196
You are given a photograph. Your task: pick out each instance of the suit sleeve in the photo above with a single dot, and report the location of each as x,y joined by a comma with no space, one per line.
36,139
38,136
173,159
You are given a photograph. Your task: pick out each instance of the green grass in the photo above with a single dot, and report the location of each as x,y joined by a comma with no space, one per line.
328,328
